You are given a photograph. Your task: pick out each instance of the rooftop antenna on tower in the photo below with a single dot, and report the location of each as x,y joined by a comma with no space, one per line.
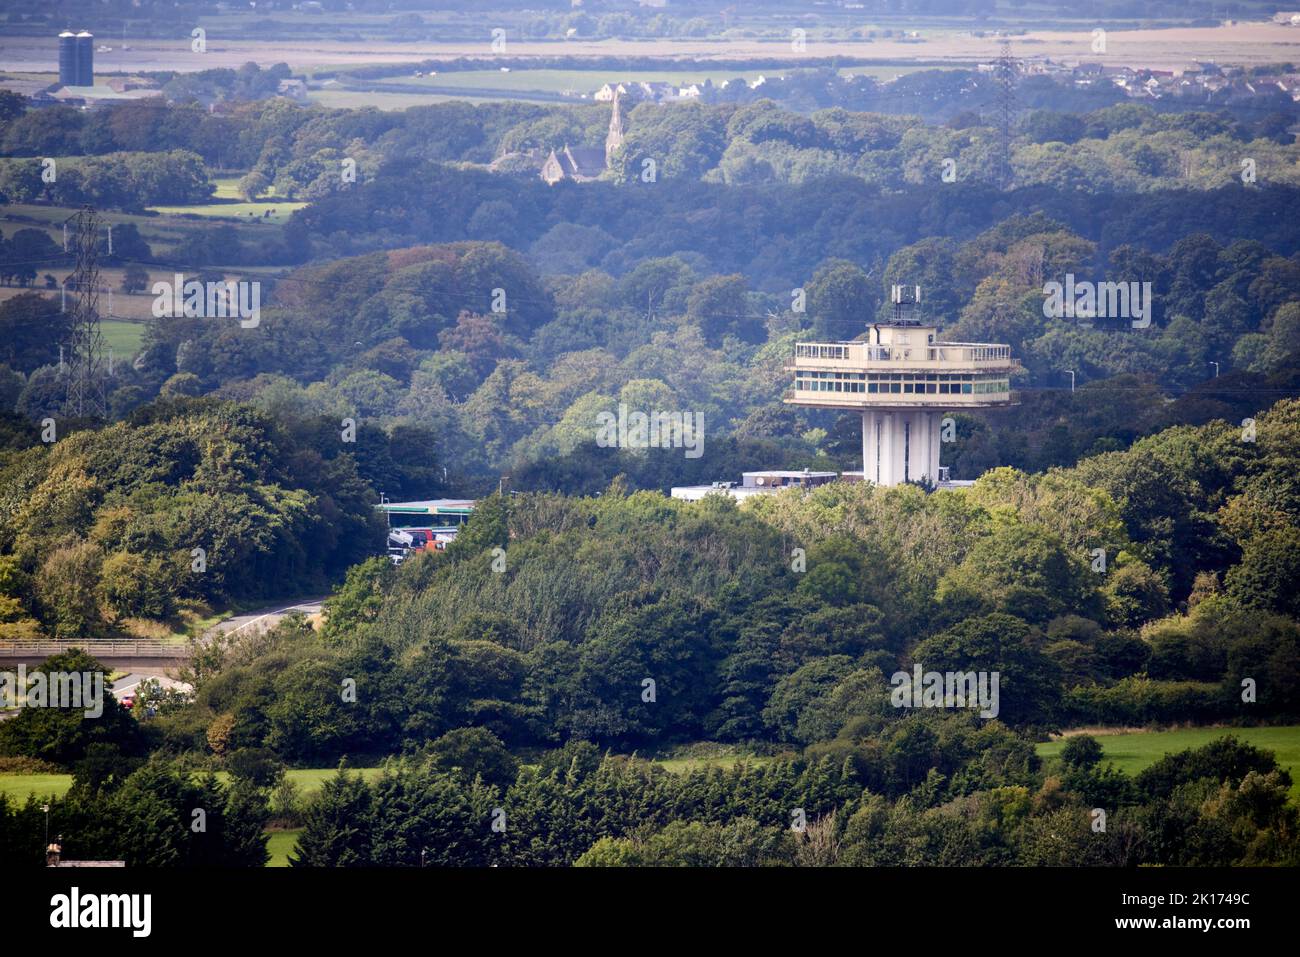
907,304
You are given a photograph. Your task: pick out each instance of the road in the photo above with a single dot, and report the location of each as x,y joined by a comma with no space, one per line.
265,618
147,655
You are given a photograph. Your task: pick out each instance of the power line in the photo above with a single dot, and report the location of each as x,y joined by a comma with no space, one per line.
1006,106
85,392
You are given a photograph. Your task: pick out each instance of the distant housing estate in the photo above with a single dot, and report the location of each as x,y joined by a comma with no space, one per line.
651,92
1206,82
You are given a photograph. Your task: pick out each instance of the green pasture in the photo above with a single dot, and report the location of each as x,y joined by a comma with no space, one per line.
18,786
228,204
1132,752
281,844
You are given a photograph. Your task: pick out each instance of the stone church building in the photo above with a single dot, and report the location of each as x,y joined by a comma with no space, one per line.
583,164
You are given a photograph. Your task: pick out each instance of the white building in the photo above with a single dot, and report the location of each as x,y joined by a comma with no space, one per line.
756,483
902,380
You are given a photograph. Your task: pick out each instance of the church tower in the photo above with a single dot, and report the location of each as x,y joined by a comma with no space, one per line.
615,138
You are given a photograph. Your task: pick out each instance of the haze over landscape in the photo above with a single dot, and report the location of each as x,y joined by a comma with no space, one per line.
643,434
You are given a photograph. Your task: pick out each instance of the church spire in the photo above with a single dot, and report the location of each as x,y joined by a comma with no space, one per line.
615,138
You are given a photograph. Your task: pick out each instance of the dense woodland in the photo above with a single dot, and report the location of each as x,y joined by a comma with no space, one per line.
409,338
460,667
1102,146
505,677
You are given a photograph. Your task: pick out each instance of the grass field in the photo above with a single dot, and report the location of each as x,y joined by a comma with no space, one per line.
589,81
134,308
162,233
705,754
227,187
562,81
123,314
18,786
310,780
280,844
228,204
685,765
1132,752
273,211
124,338
940,38
341,99
1129,752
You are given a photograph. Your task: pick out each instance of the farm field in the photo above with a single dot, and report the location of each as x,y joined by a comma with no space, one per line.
1132,752
1173,48
18,786
228,204
281,844
560,86
124,338
162,233
588,81
344,99
276,211
310,780
122,324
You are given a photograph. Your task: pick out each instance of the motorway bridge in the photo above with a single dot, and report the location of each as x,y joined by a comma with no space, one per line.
131,654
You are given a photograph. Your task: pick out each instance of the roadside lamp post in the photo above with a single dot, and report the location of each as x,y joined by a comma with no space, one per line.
1071,374
46,809
1216,368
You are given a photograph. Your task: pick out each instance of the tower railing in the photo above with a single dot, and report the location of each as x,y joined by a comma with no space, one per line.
974,352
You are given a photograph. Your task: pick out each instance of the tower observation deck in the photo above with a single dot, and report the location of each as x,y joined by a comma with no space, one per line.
902,379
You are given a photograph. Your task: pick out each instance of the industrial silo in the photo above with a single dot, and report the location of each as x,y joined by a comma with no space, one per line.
85,59
67,58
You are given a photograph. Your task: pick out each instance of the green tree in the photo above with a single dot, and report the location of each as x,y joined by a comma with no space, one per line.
841,300
68,589
337,832
134,278
252,185
1029,682
32,327
135,586
63,734
1270,565
475,752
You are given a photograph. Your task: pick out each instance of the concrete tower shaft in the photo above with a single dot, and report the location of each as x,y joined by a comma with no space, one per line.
900,446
